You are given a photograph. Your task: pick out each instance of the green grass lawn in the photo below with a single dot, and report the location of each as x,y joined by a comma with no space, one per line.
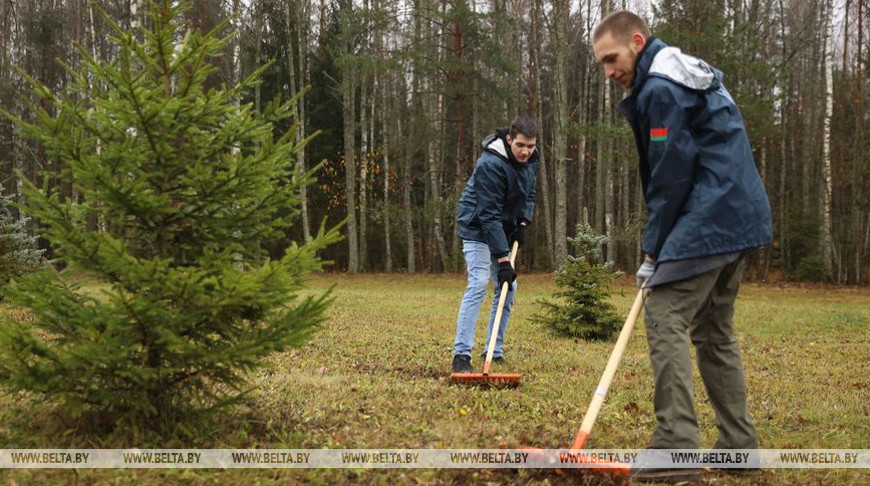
376,376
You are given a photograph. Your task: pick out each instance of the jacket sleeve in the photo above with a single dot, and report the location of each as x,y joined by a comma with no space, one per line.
673,155
529,207
491,187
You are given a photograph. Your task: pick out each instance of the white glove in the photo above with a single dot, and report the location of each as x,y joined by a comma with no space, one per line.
645,271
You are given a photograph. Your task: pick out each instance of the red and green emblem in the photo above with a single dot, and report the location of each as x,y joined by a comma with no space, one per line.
658,134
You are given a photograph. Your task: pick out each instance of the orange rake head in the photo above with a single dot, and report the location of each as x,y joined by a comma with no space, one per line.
572,459
495,380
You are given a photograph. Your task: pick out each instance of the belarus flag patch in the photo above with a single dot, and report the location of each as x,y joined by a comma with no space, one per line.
658,134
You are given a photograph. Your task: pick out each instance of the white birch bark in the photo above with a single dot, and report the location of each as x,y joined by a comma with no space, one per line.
826,240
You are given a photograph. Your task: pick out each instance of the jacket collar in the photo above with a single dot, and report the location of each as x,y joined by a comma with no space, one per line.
644,61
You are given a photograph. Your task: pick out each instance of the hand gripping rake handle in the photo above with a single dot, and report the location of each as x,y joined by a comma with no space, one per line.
501,300
609,371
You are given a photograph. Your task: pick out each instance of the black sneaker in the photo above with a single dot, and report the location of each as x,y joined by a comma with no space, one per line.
497,360
669,476
736,471
462,364
648,468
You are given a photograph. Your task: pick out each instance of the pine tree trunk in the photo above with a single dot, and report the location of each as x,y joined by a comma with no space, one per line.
407,181
764,93
388,247
860,245
433,154
624,203
380,99
601,162
416,128
258,51
762,170
543,196
7,144
559,35
783,149
349,112
460,99
585,116
373,97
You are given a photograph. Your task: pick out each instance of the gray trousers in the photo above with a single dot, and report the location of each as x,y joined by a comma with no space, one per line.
699,309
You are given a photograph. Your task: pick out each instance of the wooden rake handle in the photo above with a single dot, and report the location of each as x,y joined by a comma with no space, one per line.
495,325
609,371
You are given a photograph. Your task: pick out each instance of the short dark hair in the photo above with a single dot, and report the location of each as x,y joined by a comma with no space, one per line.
525,125
621,25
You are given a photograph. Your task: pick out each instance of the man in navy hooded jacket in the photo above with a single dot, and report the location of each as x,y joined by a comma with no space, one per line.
707,207
494,211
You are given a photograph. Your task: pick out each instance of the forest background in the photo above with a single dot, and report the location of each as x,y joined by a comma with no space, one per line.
400,94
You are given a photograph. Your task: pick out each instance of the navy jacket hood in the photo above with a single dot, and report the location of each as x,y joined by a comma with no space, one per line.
499,194
702,189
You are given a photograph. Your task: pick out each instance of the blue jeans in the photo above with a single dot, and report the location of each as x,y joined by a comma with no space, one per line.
481,267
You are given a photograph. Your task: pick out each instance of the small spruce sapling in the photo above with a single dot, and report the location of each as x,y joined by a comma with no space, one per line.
581,309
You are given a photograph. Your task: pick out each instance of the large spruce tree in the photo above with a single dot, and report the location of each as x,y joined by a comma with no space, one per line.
185,186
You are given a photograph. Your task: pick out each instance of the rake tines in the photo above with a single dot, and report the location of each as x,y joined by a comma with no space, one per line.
495,380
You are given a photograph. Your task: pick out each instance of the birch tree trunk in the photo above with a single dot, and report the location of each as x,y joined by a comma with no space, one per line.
237,44
303,23
363,171
826,242
96,222
601,160
608,162
135,11
434,153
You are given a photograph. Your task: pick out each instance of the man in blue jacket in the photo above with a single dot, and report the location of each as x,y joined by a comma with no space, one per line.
707,207
494,211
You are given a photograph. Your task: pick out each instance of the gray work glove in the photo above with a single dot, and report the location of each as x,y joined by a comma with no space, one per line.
645,271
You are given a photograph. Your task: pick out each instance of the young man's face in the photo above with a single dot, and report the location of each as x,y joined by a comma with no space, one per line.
618,56
522,147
